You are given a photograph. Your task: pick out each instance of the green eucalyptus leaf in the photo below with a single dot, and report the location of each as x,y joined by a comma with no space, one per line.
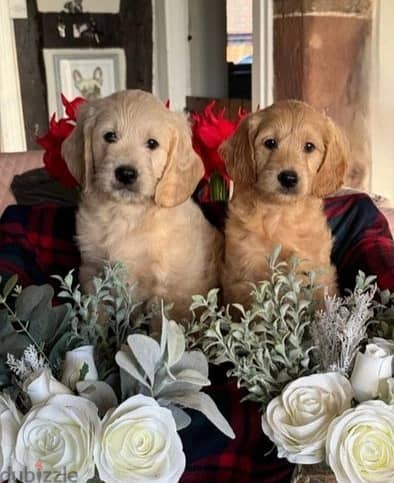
98,392
164,332
10,337
57,351
199,300
175,343
192,360
34,304
192,377
147,353
5,374
10,285
169,388
200,401
125,362
182,419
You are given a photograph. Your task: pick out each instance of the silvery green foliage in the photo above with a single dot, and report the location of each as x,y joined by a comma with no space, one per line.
267,345
168,373
30,362
338,330
105,317
383,320
27,318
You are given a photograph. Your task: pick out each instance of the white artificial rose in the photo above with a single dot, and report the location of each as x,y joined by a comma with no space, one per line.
59,436
73,363
360,444
139,443
372,369
297,420
42,385
10,421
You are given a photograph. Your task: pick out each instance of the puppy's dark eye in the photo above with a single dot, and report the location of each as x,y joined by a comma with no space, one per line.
152,144
110,137
271,144
309,147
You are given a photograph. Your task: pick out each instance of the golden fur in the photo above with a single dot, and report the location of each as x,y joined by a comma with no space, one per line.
152,226
263,213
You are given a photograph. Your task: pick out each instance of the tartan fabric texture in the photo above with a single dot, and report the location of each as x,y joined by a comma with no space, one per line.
37,241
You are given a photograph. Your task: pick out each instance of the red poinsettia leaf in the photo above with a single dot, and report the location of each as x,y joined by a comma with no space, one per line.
57,168
61,129
52,143
71,107
45,141
209,131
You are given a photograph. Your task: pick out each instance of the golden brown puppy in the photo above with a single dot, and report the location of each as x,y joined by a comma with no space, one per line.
135,162
283,159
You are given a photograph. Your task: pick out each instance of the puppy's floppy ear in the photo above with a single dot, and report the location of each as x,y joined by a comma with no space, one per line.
184,168
77,148
331,172
238,152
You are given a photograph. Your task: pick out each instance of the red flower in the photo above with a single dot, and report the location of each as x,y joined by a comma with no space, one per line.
72,107
52,143
209,131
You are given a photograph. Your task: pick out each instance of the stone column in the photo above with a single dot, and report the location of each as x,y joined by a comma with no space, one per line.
322,56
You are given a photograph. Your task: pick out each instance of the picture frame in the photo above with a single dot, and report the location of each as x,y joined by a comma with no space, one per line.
89,73
91,6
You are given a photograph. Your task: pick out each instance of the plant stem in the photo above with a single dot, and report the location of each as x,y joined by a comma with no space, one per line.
24,329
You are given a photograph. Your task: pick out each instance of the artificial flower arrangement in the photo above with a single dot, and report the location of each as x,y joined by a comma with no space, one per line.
80,398
84,398
324,378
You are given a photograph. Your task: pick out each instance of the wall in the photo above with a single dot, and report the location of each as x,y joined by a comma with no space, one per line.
130,29
322,56
382,101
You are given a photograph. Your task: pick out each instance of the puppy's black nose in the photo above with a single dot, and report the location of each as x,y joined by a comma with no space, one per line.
126,174
288,178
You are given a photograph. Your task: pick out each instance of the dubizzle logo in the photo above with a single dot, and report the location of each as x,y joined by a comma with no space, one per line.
39,475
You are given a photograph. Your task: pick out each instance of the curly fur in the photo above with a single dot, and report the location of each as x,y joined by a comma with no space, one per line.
153,226
262,213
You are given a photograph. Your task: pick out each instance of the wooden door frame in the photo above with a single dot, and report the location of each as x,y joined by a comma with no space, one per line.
12,127
263,54
171,53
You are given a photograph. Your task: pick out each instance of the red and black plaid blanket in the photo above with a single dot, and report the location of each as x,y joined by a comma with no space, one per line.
37,241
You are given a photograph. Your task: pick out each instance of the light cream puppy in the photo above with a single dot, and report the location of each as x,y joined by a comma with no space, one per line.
137,168
283,159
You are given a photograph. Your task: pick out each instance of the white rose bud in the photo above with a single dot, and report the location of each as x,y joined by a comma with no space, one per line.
59,436
372,369
42,385
298,419
360,444
74,362
10,421
139,443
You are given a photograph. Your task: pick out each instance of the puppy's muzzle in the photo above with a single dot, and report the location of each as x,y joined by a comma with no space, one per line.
127,175
288,179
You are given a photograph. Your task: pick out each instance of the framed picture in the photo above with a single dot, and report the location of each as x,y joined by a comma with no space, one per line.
89,73
75,6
